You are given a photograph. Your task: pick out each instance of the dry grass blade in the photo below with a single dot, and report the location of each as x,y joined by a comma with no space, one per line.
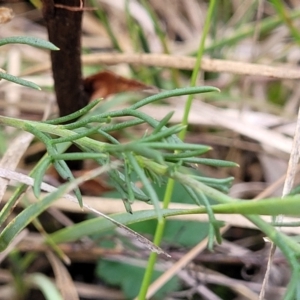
12,157
165,277
241,289
184,261
63,279
188,63
182,63
203,113
11,175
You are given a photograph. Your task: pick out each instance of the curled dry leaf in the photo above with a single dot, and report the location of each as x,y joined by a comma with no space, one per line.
6,14
107,83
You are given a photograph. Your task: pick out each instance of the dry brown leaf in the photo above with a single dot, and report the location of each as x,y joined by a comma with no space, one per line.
107,83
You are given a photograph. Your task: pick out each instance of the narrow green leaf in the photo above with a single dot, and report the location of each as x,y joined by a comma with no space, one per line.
193,195
39,176
122,125
147,185
127,205
78,156
174,93
164,133
213,223
177,146
19,81
98,225
214,182
74,115
173,156
27,216
77,136
149,153
28,40
127,170
84,122
119,181
163,122
209,162
65,172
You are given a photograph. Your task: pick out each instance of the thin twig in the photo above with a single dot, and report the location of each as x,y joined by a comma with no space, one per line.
183,63
188,63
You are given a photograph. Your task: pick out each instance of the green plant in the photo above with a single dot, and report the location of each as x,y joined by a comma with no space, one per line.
150,159
27,40
19,265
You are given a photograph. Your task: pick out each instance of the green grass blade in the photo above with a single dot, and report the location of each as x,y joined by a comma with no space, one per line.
98,225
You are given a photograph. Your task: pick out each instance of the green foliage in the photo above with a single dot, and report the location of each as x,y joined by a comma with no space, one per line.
277,93
19,81
129,277
28,40
3,142
32,41
151,158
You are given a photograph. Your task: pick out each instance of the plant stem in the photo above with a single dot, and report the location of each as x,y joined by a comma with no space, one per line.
170,186
162,37
197,68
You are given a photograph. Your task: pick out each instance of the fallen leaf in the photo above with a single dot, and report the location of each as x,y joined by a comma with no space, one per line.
107,83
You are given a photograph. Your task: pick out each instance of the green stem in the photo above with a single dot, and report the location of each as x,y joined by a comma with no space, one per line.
170,186
162,37
197,68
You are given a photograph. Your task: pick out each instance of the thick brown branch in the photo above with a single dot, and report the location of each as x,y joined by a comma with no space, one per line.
64,29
